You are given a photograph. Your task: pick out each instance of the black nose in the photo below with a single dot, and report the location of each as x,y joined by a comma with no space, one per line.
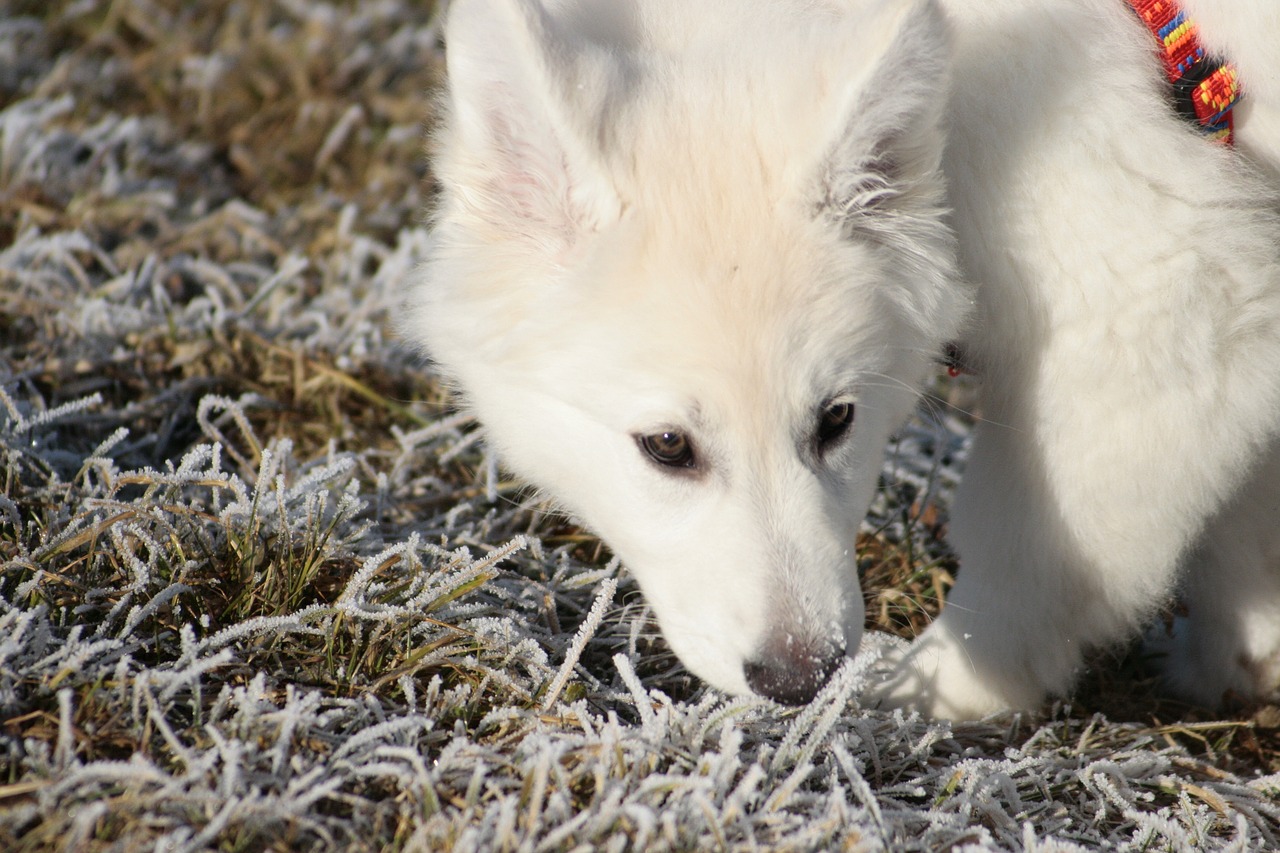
793,673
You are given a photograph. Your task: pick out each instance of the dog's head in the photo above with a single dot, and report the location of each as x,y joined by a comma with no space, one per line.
691,265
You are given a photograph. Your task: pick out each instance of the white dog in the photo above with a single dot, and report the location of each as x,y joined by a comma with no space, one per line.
694,260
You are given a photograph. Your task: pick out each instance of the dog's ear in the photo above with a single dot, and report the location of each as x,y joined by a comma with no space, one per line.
881,148
516,154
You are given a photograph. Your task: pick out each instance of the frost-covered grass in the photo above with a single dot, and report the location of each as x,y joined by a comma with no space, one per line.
260,587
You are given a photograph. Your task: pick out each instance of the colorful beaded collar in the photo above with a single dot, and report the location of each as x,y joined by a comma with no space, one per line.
1204,88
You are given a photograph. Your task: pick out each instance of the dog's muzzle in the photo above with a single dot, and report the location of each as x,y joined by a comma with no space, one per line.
792,671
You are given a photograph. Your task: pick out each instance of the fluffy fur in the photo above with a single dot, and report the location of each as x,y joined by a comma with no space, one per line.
725,221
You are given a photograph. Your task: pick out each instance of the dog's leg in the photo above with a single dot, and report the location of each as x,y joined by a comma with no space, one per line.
1229,640
1108,446
1027,599
1047,572
1127,390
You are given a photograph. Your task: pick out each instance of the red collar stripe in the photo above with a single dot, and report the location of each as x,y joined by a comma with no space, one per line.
1205,88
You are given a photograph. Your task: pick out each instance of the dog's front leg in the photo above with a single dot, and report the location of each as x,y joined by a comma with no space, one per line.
1084,489
1026,599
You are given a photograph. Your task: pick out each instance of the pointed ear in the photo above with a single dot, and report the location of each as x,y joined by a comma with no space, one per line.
516,153
884,141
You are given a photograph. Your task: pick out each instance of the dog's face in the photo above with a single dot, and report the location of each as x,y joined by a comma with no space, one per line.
689,294
702,411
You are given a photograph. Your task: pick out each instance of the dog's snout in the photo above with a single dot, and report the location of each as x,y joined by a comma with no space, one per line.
793,674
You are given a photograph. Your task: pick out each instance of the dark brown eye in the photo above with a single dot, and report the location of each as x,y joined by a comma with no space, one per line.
671,449
833,423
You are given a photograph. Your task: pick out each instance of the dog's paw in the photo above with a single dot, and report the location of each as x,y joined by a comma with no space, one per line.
1209,663
934,675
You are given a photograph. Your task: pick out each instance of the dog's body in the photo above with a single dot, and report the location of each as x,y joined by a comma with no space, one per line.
694,259
1127,336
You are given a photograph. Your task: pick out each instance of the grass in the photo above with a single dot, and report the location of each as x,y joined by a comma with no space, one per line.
261,589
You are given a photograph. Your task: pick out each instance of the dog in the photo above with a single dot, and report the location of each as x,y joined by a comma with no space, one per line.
694,262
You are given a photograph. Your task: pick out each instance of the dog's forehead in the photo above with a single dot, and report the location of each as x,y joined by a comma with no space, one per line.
697,326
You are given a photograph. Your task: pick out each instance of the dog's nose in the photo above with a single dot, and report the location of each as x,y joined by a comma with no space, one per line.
794,673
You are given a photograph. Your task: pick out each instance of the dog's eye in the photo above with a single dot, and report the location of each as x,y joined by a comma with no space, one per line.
833,423
672,449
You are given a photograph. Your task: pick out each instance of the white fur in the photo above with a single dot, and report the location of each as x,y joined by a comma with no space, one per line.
717,218
1129,329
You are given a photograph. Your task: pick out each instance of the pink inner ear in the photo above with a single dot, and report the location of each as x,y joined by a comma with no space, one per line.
526,192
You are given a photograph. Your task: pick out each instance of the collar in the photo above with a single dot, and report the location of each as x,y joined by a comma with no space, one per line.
1204,88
